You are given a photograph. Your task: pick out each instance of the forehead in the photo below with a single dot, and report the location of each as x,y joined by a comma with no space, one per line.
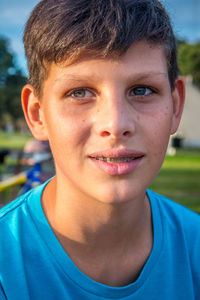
142,59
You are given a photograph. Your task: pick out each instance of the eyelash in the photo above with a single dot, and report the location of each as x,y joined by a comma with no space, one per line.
70,94
92,94
152,91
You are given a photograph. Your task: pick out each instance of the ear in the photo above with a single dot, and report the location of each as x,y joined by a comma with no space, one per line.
33,113
178,96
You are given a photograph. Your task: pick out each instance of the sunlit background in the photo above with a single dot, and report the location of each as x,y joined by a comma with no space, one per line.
179,178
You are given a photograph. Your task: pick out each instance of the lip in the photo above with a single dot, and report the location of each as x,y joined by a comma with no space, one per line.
118,168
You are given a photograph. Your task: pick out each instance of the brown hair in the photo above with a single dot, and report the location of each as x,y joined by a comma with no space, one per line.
58,30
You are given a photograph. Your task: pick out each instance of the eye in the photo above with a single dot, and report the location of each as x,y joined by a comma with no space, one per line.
81,93
141,91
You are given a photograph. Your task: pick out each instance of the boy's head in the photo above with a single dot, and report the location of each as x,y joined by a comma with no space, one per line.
104,91
63,30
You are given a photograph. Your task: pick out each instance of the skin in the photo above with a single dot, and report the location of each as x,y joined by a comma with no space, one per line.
104,221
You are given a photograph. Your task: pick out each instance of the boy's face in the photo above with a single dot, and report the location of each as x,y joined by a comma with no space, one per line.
108,122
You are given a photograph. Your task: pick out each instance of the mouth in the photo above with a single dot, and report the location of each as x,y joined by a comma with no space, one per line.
117,162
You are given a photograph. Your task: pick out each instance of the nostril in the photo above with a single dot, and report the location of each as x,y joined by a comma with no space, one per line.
105,133
126,133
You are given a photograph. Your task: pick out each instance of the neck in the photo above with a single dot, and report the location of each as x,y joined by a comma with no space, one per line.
101,238
91,223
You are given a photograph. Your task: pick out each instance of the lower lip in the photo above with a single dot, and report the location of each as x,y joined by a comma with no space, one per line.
117,168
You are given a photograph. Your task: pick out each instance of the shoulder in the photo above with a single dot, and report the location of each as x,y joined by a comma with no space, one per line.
170,206
21,204
16,214
180,229
178,219
17,227
174,211
13,207
16,206
18,235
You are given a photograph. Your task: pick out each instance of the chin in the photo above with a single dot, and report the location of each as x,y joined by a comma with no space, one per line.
118,196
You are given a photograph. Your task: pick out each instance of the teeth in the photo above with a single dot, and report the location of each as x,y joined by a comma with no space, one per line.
100,158
115,160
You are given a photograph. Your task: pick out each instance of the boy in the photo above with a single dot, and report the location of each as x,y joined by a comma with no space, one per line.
104,90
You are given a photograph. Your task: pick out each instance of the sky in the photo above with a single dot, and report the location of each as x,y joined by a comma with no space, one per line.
185,16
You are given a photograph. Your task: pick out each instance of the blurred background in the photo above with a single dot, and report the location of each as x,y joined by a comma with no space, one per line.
25,163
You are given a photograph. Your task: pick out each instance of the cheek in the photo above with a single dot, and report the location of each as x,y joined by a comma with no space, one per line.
159,131
68,133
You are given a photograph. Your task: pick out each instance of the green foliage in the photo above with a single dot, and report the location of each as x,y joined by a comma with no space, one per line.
6,61
179,179
11,82
189,60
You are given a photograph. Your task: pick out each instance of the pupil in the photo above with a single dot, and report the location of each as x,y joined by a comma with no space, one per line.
79,93
139,91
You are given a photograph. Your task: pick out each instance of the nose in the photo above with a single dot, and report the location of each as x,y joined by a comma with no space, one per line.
115,118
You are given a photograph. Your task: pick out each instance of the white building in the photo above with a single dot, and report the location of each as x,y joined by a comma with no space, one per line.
189,128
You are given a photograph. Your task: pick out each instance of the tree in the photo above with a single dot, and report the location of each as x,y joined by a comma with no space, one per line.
11,82
189,61
6,61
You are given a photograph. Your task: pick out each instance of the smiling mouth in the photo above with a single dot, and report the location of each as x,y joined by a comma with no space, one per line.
115,160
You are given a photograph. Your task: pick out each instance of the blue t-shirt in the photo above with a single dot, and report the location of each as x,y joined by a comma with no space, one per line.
33,264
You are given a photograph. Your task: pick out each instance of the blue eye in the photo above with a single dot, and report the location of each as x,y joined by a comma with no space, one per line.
141,91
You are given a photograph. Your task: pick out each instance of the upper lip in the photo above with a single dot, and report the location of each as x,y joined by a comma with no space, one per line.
117,153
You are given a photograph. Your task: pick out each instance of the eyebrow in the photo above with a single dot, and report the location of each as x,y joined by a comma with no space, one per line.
149,75
87,78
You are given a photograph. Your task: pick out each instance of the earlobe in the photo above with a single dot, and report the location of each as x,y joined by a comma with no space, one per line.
178,96
33,113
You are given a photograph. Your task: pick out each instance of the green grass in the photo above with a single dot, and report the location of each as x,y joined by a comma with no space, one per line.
179,179
13,140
